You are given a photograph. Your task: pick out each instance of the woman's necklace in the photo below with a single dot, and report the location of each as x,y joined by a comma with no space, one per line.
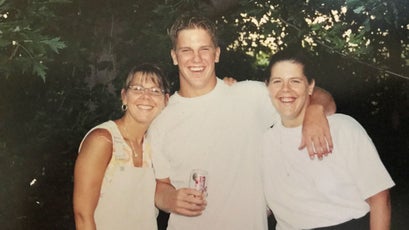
134,153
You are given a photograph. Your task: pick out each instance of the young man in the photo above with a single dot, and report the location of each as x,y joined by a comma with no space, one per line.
211,126
336,193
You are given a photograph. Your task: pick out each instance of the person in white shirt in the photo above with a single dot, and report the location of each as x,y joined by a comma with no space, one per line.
335,193
209,125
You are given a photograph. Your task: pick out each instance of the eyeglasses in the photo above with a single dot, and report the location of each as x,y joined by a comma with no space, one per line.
154,91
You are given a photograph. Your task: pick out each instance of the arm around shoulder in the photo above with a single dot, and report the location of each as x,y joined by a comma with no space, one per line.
323,98
316,132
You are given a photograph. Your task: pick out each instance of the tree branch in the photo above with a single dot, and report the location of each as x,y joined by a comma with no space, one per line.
318,41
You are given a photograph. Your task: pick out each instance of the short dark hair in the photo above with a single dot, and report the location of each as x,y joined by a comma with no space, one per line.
296,55
153,72
192,21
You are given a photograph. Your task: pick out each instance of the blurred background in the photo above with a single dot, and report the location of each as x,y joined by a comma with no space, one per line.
62,63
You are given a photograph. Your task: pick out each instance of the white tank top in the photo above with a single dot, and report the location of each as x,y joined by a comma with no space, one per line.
127,194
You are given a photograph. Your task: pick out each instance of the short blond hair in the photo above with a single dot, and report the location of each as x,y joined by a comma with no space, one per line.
188,21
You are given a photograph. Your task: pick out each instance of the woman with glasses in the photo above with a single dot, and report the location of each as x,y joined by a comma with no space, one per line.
114,183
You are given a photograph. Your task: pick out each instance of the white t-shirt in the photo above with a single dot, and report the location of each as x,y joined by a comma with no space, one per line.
304,193
219,132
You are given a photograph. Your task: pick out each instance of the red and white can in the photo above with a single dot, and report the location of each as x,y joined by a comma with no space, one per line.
198,180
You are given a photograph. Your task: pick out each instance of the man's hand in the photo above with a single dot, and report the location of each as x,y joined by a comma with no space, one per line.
187,202
184,201
316,134
229,81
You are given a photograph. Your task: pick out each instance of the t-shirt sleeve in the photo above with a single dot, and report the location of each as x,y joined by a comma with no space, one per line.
271,115
160,162
266,112
364,162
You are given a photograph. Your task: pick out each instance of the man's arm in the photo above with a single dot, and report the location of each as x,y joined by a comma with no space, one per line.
325,99
380,214
184,201
316,133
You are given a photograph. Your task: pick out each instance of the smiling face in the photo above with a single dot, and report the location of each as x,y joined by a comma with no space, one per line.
143,107
289,91
195,54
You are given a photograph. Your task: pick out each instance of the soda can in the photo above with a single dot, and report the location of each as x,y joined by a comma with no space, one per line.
198,180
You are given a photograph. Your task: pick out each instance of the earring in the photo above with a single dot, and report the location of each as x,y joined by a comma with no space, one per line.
124,107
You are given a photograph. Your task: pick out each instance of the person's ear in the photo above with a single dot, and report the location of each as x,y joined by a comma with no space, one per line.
124,97
166,98
217,55
174,57
311,87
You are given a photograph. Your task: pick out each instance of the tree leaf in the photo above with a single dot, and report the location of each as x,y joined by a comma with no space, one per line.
55,44
39,70
359,9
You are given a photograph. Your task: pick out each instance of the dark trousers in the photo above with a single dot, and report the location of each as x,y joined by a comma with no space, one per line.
355,224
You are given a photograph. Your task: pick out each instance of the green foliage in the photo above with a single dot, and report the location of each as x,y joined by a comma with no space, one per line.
26,44
85,48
